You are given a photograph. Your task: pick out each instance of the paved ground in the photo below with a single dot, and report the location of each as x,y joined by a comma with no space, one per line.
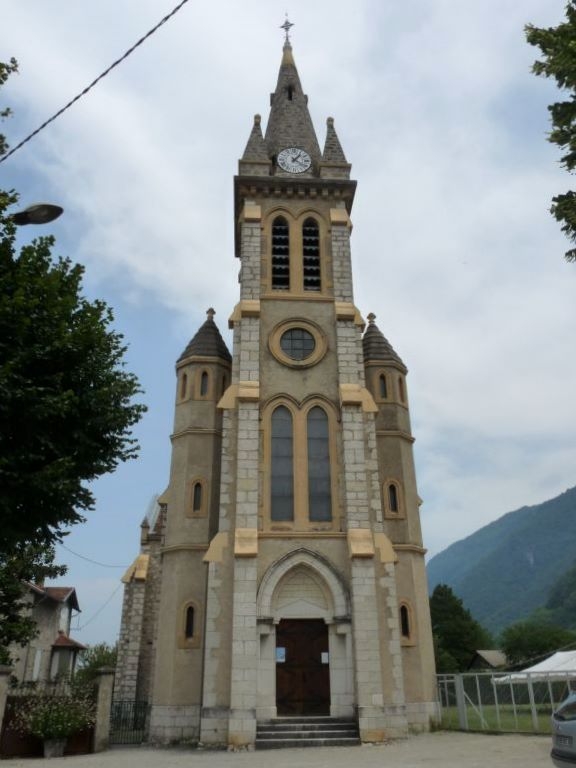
434,750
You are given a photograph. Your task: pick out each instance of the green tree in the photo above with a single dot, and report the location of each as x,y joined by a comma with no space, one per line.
527,641
558,49
66,407
94,658
456,633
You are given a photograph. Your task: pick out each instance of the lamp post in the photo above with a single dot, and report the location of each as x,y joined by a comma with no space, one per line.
39,213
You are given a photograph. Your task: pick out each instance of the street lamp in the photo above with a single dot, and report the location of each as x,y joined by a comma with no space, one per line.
39,213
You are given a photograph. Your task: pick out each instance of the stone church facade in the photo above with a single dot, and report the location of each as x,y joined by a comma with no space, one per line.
282,571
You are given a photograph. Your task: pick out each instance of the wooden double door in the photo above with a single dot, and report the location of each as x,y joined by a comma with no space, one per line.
302,667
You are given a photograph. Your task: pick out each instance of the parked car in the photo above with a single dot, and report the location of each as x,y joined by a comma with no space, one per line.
564,733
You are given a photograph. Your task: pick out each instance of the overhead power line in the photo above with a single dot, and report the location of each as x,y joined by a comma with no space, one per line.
89,560
99,611
94,82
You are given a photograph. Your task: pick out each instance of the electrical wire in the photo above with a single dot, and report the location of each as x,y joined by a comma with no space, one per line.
89,560
94,82
99,611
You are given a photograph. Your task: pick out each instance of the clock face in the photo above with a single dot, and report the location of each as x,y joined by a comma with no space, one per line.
294,160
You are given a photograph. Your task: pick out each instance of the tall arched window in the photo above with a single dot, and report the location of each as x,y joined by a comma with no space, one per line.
204,384
311,255
393,498
319,492
382,386
282,469
280,254
189,623
404,621
183,386
197,498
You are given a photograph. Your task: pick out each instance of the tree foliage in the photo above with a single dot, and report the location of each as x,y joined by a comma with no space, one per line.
94,658
558,49
66,408
529,641
457,635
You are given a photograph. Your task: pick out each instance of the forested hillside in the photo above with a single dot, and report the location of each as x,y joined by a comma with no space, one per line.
507,569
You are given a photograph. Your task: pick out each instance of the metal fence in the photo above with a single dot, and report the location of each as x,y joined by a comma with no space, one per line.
504,703
128,722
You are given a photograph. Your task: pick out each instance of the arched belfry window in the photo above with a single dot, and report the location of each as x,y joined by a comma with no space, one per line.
280,254
319,492
282,466
311,255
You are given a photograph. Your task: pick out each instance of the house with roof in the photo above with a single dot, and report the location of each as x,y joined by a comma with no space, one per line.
52,653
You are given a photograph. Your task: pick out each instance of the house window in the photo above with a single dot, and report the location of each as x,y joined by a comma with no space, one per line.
311,255
280,254
282,469
319,492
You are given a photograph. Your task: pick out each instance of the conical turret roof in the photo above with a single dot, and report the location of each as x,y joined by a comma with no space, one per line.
207,342
290,124
376,346
333,152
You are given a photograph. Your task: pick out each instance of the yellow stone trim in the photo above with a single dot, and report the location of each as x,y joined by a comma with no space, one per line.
251,213
360,542
292,534
228,399
347,311
385,548
215,553
248,390
138,571
244,308
339,217
246,542
354,394
410,548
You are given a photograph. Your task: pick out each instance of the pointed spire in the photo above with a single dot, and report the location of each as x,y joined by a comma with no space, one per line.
334,164
207,342
333,152
376,346
290,124
256,147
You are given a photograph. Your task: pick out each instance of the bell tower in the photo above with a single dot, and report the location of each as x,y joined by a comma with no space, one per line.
299,588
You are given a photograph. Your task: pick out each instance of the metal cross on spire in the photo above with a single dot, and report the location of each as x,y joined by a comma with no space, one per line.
286,27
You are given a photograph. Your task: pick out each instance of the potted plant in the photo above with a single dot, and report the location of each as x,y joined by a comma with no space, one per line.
53,717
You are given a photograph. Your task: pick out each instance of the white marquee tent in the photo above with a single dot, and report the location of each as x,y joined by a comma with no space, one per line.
560,666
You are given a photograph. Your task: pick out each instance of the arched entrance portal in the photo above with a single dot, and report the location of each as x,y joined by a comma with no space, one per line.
305,663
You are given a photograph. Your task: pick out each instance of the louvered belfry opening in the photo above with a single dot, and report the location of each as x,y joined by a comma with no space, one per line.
311,255
280,254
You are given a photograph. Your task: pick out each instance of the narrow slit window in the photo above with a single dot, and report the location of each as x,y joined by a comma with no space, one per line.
197,497
189,623
393,498
311,255
282,469
280,254
319,491
183,386
404,621
383,387
401,390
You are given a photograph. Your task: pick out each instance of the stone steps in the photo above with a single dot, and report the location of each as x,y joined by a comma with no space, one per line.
284,732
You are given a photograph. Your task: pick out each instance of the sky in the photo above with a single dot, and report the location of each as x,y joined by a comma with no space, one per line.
454,249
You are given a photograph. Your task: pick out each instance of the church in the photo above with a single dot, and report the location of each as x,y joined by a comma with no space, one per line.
281,573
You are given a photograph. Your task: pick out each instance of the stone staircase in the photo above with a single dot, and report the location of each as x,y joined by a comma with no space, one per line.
285,732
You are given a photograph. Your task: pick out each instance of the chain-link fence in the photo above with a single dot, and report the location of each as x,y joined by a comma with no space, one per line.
515,702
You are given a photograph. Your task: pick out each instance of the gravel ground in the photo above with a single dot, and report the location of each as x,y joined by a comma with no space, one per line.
442,749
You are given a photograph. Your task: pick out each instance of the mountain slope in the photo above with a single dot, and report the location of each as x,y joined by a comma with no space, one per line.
506,569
